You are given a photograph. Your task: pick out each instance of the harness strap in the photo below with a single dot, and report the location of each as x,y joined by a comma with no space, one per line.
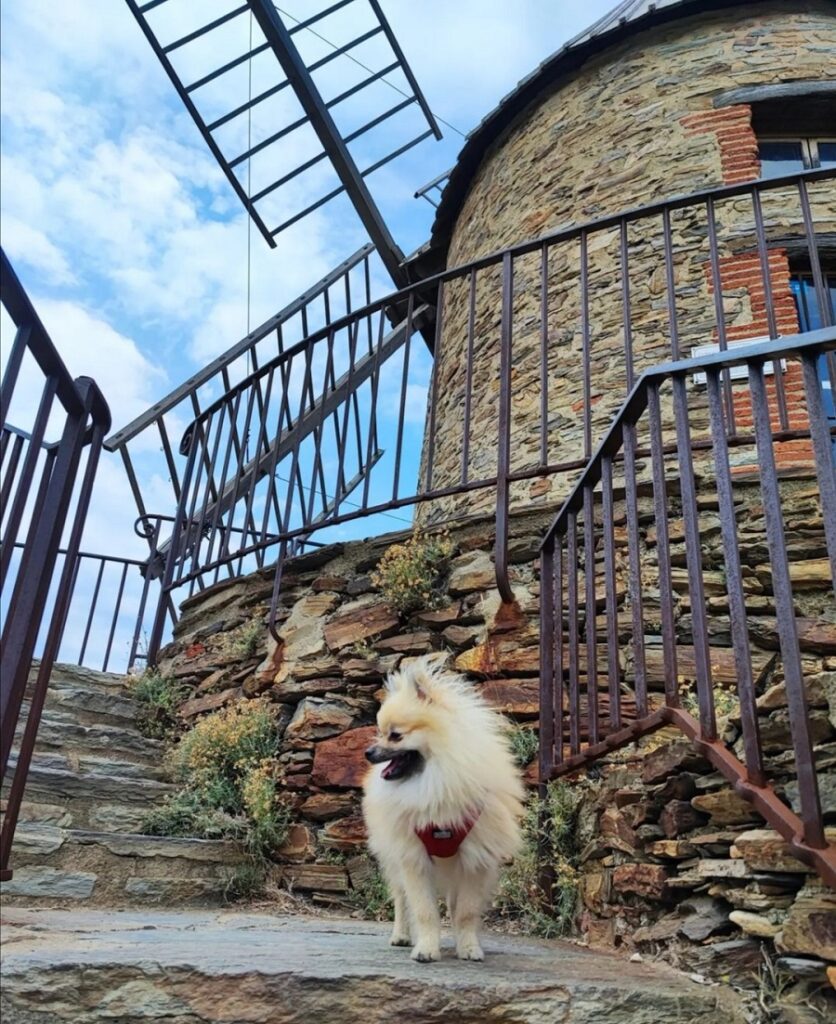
445,842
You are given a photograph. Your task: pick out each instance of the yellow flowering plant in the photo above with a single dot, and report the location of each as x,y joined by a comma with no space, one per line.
410,575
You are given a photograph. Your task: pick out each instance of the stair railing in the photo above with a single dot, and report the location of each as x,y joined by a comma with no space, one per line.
515,333
606,607
46,488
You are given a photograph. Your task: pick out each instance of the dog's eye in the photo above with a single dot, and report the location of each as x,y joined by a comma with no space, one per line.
395,737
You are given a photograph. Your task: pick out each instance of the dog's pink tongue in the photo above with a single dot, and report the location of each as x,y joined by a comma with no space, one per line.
387,771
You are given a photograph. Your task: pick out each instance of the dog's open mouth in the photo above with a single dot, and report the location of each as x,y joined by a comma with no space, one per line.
402,765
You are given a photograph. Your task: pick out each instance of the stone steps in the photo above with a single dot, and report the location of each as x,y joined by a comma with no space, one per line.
92,781
61,867
60,730
199,967
88,697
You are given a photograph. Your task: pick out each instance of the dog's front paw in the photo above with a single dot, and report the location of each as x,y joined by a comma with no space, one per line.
400,939
469,950
426,954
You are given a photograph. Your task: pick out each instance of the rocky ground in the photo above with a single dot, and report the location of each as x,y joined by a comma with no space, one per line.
237,968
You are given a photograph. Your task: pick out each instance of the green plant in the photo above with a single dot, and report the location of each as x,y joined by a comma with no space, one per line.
549,831
225,767
246,642
364,650
158,697
370,896
185,813
524,745
725,701
409,575
247,882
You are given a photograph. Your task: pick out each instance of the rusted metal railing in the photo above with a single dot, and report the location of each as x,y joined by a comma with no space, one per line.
339,291
46,490
330,438
599,601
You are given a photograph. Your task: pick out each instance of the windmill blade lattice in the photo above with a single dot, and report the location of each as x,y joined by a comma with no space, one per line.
292,124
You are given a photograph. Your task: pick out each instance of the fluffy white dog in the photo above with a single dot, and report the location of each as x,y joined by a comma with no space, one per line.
442,804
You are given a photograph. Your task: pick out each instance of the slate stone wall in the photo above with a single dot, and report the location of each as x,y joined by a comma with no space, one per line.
635,125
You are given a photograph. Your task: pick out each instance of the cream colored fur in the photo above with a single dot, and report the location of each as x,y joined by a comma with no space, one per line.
468,767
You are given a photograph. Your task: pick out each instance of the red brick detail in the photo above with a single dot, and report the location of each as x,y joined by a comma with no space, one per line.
732,127
744,272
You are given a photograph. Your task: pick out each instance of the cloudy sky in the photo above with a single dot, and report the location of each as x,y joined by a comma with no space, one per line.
126,234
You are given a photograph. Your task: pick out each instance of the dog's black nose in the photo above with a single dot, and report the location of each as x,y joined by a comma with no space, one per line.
370,754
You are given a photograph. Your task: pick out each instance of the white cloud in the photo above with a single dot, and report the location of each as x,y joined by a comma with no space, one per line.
37,251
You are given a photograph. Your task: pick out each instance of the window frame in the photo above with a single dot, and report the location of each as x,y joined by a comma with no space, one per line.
809,146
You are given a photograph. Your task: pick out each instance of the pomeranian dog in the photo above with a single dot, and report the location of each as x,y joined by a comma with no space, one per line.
442,804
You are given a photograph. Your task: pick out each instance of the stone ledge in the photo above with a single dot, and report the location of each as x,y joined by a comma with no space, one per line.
202,968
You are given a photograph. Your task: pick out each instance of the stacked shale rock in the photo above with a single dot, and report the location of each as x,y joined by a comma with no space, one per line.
670,855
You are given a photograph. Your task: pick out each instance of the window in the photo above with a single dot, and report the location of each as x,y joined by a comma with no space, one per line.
787,155
810,319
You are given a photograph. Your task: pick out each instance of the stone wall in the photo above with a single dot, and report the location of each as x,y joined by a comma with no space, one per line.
660,833
338,640
634,125
637,122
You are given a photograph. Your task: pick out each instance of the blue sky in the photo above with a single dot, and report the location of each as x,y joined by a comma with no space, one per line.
127,235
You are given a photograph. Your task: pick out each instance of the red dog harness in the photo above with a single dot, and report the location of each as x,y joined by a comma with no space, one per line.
445,842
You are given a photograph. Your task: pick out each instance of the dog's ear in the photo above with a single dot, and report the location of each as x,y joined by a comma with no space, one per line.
421,682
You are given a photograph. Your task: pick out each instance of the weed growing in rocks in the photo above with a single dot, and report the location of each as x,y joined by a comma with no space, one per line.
245,644
185,814
524,745
370,897
725,701
225,766
158,698
521,899
410,575
246,883
363,650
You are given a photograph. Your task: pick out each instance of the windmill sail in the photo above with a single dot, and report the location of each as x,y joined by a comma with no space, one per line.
291,124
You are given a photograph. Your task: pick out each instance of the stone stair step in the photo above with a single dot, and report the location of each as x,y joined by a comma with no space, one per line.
77,676
61,730
218,967
92,765
105,817
85,794
60,866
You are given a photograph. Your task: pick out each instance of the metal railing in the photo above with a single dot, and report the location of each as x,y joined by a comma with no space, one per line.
111,602
513,323
46,490
601,599
338,290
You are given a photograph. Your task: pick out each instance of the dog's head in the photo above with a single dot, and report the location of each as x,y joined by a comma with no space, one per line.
410,722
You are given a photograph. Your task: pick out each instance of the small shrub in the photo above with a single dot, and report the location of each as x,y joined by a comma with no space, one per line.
524,745
550,823
225,767
409,575
158,698
224,747
725,701
185,814
363,650
246,643
268,819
